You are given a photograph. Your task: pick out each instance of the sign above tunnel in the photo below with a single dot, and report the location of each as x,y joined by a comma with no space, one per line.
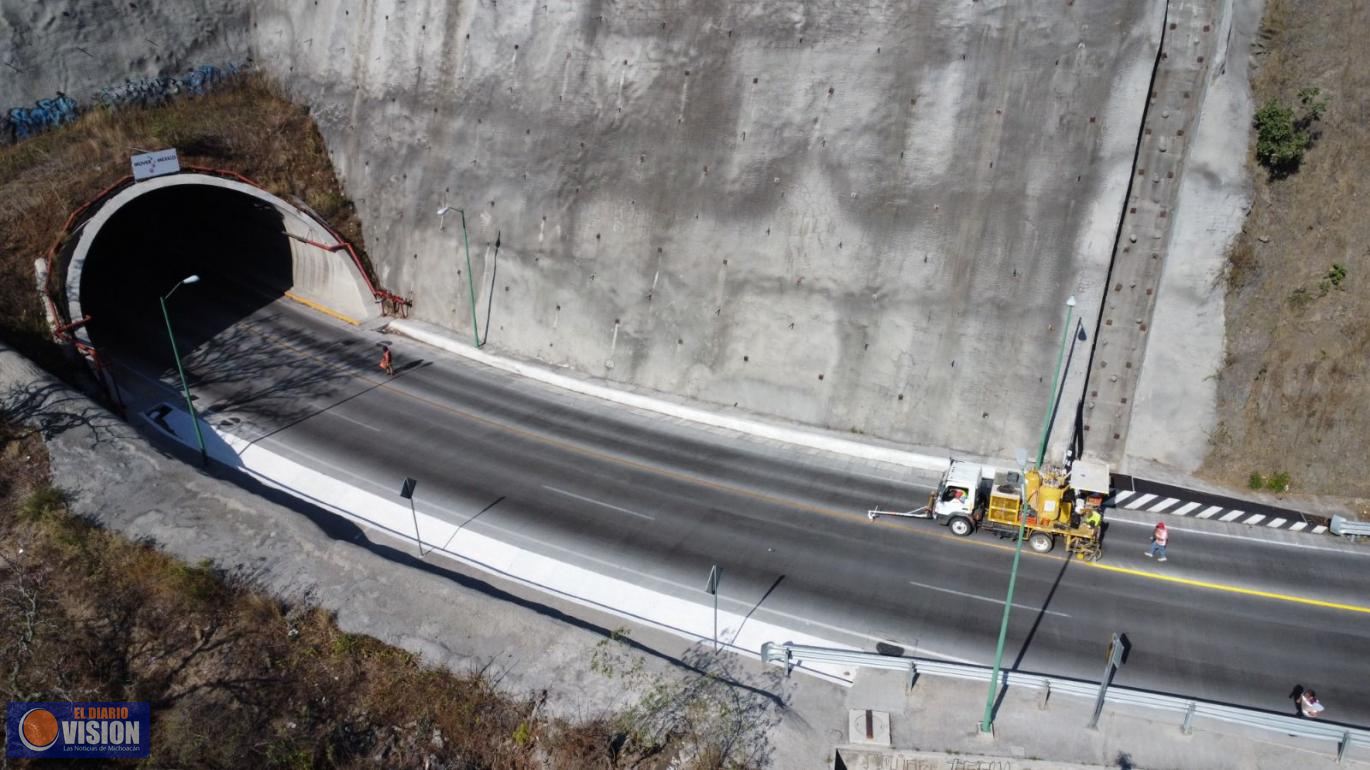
150,164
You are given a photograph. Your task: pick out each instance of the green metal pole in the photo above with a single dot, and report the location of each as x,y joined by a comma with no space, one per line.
987,721
185,387
1055,380
470,279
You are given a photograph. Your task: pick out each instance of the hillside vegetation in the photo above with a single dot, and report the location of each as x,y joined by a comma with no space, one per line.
1294,398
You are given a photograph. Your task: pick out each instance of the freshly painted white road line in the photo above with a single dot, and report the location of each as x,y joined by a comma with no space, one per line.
1256,518
1276,523
646,516
1139,502
1298,526
1209,511
1164,504
989,599
1232,515
1185,509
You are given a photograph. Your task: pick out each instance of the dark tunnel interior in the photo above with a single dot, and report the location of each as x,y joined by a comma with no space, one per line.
235,243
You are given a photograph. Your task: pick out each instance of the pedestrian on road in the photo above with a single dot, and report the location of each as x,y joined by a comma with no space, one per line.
1159,536
387,363
1309,707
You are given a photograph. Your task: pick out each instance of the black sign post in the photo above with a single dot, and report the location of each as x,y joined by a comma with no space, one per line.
407,492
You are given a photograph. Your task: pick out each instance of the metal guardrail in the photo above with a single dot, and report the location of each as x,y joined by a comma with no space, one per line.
1347,528
792,655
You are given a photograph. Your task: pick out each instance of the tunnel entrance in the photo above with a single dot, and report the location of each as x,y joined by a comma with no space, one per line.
247,247
235,243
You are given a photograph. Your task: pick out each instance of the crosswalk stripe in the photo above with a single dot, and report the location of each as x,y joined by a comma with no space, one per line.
1164,504
1139,502
1299,526
1255,519
1318,530
1185,509
1232,515
1276,523
1118,497
1209,511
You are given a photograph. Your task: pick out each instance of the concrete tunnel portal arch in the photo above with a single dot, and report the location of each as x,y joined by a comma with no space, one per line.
249,247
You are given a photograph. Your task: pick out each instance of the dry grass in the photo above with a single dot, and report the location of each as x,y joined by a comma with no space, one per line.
1295,395
238,679
245,126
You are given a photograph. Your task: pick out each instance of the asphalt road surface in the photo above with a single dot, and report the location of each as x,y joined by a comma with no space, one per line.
656,501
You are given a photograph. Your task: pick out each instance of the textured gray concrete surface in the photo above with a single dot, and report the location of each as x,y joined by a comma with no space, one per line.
1175,404
839,213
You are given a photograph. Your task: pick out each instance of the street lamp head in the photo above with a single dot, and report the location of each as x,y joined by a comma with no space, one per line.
1071,302
191,279
442,211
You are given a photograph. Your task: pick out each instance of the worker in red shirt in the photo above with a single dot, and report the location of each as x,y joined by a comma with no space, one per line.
387,363
1159,536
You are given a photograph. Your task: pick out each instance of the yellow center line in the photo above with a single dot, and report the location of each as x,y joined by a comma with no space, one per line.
1230,588
795,504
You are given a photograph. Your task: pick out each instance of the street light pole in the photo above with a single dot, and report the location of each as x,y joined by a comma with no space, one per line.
1055,379
185,386
987,721
470,279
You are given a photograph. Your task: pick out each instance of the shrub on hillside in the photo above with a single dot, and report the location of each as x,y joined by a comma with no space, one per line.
1283,136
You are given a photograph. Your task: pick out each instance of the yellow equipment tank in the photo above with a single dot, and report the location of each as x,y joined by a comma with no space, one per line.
1045,498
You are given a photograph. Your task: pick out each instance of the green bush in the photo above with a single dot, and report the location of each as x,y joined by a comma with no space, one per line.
1256,481
1282,137
1278,482
43,503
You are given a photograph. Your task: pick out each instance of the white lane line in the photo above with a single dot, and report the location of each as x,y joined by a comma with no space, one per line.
1118,497
1298,527
1185,509
1209,511
1139,502
646,516
1276,522
1318,530
342,416
886,479
1164,504
1263,540
1232,515
989,599
1255,519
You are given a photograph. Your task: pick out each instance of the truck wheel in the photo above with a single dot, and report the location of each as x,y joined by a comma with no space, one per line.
1041,542
960,526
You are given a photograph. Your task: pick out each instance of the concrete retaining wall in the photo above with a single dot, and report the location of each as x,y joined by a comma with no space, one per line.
852,214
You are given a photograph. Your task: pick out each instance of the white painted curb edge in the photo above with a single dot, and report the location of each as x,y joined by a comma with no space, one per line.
738,632
741,425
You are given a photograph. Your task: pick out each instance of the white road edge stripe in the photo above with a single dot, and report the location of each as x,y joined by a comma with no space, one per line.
1118,497
1209,511
1164,504
1139,502
1265,540
1185,509
646,516
989,599
1256,518
1232,515
1298,526
1276,522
